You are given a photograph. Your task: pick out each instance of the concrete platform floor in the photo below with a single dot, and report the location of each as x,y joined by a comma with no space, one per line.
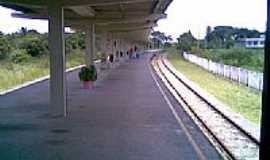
124,117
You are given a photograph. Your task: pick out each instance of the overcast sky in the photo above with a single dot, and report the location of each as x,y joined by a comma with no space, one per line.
196,15
183,15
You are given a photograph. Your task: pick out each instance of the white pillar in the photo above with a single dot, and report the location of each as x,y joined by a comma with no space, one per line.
57,60
89,44
109,44
116,48
103,44
114,44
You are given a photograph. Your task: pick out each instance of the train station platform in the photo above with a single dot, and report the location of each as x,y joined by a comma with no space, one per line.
124,117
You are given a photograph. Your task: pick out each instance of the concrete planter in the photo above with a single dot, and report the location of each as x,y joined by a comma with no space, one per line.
87,84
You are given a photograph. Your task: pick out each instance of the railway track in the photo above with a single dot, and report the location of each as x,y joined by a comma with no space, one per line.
228,137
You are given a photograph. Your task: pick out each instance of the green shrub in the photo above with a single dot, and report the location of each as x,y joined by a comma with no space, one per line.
75,41
35,46
20,56
88,73
252,59
4,47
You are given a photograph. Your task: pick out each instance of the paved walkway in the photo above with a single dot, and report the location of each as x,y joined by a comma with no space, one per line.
123,118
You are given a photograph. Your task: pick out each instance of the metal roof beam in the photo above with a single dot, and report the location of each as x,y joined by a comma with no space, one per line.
85,11
69,3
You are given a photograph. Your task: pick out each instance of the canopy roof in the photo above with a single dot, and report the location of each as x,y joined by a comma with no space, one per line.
132,18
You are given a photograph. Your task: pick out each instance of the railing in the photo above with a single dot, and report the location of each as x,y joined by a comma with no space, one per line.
249,78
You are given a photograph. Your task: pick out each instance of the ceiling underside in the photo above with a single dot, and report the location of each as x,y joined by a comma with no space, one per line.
131,18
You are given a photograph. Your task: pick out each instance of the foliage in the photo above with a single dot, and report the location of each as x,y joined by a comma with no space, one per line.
167,44
88,73
35,47
252,59
160,37
4,47
226,36
20,56
24,55
36,44
218,46
12,74
186,41
75,41
239,98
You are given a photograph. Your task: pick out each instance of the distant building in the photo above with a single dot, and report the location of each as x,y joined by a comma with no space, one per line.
252,42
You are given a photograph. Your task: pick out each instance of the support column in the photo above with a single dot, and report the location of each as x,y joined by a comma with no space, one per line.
103,39
122,48
109,46
265,120
116,52
114,46
57,60
90,45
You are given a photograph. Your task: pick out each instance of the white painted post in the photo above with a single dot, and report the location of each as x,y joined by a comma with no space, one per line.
231,72
224,71
57,60
109,46
208,65
248,79
89,44
103,50
120,49
239,75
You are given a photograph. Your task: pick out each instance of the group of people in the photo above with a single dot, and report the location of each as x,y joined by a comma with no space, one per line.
131,53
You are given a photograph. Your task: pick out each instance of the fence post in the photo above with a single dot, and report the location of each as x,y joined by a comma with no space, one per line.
239,75
224,71
209,66
247,78
231,73
261,80
258,80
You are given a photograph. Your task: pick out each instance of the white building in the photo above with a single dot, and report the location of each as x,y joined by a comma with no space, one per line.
252,42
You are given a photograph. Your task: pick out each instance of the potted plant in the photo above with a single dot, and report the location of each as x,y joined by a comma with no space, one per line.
88,75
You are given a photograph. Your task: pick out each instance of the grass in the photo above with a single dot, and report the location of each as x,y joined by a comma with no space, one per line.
12,74
241,99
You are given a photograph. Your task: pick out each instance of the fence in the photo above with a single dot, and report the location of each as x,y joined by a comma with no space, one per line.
240,75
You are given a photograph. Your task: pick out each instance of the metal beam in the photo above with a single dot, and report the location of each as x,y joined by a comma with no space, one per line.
124,29
126,26
102,2
85,11
69,3
100,21
107,21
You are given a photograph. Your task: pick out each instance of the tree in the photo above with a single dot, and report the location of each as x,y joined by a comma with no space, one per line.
168,38
186,41
75,41
159,35
35,47
4,47
161,38
208,32
226,36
